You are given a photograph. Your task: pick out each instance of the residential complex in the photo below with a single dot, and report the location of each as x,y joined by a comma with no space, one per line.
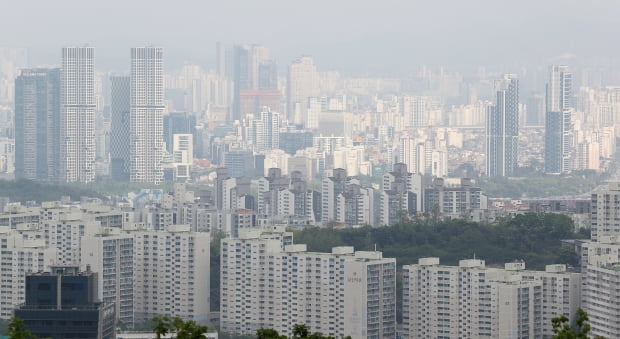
268,282
474,301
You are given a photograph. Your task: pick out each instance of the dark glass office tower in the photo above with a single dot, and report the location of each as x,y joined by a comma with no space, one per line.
120,105
63,304
37,124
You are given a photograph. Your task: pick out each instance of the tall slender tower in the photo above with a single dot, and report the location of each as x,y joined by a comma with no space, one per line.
37,124
77,120
303,83
120,103
146,114
558,121
503,128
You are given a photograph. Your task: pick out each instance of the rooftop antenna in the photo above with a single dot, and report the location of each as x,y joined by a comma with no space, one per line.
474,255
375,247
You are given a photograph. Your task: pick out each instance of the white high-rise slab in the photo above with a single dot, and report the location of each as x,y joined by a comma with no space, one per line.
146,115
77,117
268,282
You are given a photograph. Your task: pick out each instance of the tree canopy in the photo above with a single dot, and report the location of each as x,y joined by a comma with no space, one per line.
532,237
17,330
300,331
563,330
163,325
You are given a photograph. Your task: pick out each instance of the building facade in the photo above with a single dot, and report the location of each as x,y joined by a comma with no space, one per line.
267,282
503,128
473,301
558,121
37,124
77,116
171,273
120,133
63,304
146,115
110,254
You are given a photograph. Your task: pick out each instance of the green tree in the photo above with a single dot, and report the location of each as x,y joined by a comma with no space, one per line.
17,330
268,333
161,326
300,331
563,330
191,330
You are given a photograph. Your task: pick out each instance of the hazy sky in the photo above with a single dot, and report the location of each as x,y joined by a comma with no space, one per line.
355,36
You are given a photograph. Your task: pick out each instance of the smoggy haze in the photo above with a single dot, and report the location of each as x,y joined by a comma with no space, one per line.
367,37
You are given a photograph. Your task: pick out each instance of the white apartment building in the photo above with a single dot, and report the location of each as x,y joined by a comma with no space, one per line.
601,300
171,273
110,254
77,120
605,212
64,229
331,187
597,252
473,301
183,154
19,257
146,114
228,222
303,83
402,193
355,206
15,214
266,282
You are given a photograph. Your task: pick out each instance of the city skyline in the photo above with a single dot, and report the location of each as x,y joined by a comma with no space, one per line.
359,169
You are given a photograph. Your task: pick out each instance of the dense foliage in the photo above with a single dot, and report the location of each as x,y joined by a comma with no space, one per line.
177,327
26,190
17,330
563,330
532,237
299,332
540,186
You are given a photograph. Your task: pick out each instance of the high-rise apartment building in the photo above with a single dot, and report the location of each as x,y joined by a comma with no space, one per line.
415,110
355,206
265,131
19,257
268,282
331,187
110,254
77,115
120,139
600,298
502,130
146,115
473,301
443,199
303,83
605,212
171,273
401,191
37,124
558,123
